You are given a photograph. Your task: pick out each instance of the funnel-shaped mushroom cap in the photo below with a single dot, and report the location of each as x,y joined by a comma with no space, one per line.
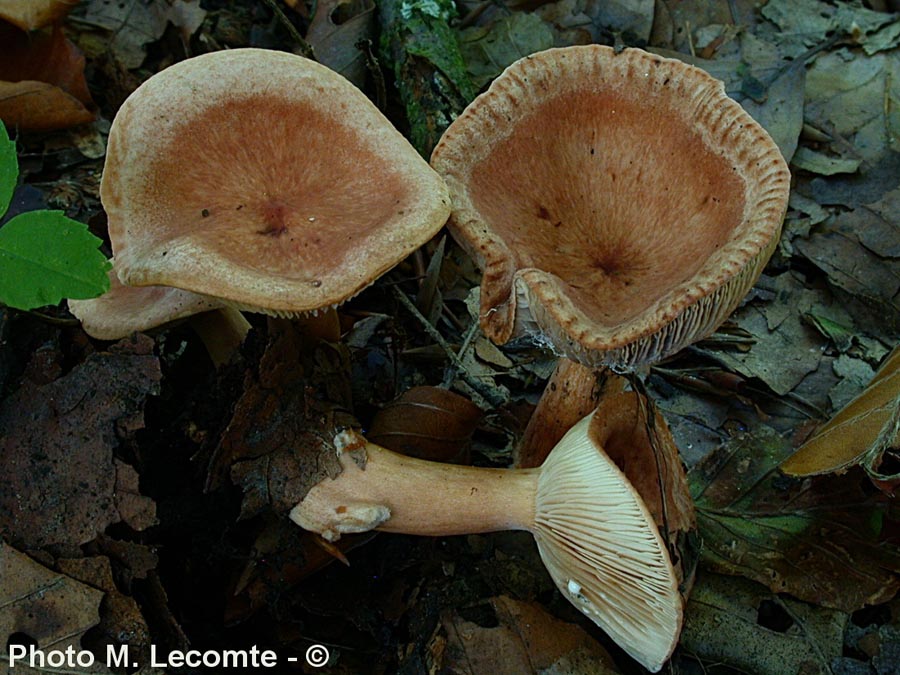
603,550
124,310
620,205
264,179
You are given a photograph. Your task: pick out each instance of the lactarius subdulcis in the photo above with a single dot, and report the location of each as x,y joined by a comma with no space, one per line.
594,533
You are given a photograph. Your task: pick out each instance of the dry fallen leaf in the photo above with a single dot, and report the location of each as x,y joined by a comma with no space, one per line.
724,624
820,539
526,641
334,32
58,477
121,621
50,608
297,398
862,432
42,85
427,422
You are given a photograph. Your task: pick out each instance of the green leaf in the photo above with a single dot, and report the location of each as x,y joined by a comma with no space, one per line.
45,257
9,169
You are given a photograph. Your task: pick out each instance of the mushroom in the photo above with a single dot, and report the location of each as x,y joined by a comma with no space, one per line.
123,310
594,533
620,205
265,180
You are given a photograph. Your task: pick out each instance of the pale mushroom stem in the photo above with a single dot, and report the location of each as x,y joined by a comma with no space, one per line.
445,499
593,532
222,332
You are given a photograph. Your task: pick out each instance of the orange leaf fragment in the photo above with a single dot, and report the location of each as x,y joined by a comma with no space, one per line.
859,433
42,84
33,14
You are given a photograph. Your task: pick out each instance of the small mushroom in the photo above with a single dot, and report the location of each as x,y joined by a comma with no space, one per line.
265,180
620,205
594,533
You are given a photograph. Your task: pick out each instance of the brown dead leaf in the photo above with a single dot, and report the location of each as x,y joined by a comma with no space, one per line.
427,422
133,24
57,473
296,401
724,624
121,621
335,29
131,560
52,609
34,14
135,510
821,539
42,85
862,432
527,640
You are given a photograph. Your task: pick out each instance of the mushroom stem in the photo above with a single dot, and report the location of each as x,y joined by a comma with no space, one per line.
222,332
571,393
460,499
593,532
325,325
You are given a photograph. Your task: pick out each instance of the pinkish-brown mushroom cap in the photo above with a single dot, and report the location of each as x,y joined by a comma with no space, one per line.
620,205
124,310
264,179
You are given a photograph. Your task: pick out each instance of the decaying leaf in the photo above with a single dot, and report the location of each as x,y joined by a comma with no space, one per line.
819,539
785,349
58,477
822,164
859,251
862,432
50,608
488,50
526,641
42,85
133,24
121,621
291,403
806,23
855,97
427,422
726,622
335,29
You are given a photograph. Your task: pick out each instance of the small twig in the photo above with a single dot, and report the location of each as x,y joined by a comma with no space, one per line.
467,342
305,47
486,392
53,320
373,65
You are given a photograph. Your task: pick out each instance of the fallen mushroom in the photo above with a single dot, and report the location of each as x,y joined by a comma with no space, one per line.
265,180
594,533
